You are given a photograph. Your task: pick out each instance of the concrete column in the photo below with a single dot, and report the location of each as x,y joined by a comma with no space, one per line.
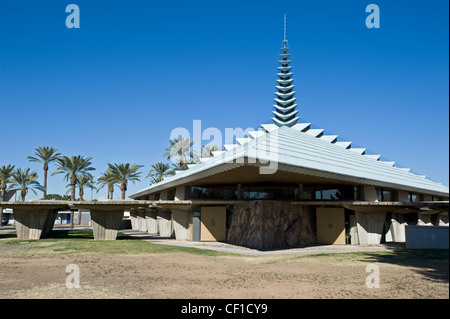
424,220
370,227
353,230
152,223
397,228
164,219
196,226
141,221
30,223
403,196
180,193
49,222
443,219
106,223
370,194
181,221
133,218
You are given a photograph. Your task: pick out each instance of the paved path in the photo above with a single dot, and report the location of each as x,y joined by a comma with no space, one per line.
228,248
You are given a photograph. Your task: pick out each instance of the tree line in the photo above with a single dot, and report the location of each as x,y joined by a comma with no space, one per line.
77,171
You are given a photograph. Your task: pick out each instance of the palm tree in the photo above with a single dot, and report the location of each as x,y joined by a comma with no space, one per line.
181,147
124,173
45,155
107,179
74,166
24,180
208,149
159,171
5,176
83,181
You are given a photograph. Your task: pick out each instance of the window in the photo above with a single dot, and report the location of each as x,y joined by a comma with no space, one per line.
385,195
274,192
214,192
330,192
413,197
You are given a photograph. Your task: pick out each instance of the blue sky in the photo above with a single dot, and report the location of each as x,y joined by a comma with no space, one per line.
116,87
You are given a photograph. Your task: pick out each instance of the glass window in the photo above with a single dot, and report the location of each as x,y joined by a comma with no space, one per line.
385,195
413,197
330,192
214,192
275,192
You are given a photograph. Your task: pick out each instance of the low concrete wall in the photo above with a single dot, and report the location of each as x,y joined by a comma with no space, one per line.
427,237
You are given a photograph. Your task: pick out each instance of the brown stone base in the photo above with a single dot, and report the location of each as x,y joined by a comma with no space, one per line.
266,224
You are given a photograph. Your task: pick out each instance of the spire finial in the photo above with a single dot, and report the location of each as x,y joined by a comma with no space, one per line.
285,112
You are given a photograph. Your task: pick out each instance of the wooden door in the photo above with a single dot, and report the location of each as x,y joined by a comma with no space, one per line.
213,224
330,226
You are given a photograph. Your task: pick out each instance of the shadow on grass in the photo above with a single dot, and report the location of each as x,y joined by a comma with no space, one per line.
8,235
431,263
84,234
70,234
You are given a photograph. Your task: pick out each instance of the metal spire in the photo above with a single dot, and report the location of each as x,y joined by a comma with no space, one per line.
285,112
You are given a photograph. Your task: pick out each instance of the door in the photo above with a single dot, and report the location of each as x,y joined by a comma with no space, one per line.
213,224
330,226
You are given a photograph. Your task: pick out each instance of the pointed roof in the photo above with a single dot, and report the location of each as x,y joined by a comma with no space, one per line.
305,151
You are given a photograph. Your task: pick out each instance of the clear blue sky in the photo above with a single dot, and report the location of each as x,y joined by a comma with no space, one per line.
116,87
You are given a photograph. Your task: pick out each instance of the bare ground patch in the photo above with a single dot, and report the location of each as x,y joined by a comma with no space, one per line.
184,275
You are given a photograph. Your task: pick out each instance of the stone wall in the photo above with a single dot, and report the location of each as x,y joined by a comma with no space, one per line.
266,225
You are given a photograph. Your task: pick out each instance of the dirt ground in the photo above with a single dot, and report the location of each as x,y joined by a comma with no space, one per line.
183,275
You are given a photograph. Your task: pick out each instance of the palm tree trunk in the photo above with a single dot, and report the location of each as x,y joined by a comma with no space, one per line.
73,181
111,192
123,188
45,180
2,195
81,193
23,193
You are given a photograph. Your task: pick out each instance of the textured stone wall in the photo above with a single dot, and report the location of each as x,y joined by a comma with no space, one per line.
266,225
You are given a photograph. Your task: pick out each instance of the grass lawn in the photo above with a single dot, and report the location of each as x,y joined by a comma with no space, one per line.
82,241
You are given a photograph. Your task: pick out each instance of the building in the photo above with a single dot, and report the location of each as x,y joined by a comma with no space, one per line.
289,185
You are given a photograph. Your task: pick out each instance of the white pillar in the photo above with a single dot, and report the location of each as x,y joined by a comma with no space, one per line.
164,219
370,194
397,228
424,220
141,220
370,227
181,221
152,223
443,219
